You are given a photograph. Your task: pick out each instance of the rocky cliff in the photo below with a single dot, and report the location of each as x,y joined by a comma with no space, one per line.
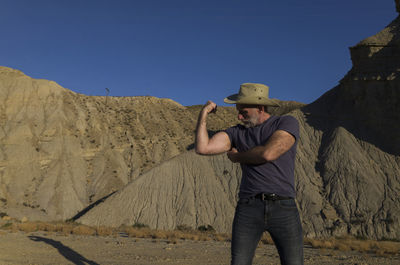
358,157
63,153
347,167
60,151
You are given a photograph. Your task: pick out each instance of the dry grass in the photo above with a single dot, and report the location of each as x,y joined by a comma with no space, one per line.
66,228
383,248
174,235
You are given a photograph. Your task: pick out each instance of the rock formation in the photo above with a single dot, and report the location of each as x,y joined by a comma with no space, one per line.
358,157
347,167
62,153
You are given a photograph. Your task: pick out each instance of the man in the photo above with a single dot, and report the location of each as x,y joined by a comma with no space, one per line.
265,147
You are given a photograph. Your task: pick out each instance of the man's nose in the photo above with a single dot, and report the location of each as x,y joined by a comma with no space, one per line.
240,117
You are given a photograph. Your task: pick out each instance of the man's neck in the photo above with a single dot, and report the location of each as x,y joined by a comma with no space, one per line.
263,117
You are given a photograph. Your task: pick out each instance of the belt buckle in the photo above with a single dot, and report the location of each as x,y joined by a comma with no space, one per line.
268,197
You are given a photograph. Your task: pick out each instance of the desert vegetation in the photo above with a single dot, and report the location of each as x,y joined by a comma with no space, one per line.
202,233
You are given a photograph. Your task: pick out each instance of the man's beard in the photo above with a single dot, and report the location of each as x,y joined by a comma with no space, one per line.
250,122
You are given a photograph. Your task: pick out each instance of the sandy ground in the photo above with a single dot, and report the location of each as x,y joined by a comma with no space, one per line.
49,248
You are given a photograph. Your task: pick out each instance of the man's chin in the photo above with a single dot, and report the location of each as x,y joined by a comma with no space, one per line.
249,124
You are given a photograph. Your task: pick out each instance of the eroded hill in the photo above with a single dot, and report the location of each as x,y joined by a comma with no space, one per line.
347,166
60,152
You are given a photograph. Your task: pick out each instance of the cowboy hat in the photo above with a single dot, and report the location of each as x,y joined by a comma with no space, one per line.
252,94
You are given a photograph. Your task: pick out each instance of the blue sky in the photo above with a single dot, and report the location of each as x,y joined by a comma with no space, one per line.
189,51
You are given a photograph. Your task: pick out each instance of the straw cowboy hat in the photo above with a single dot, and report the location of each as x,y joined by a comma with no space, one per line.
252,94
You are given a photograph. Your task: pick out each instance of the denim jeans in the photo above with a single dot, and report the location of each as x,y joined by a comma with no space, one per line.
280,218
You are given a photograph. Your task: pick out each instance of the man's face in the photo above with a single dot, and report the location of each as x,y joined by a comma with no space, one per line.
248,115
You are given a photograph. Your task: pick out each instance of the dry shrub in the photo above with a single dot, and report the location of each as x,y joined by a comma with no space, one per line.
390,247
27,227
204,237
159,234
350,243
65,229
193,237
48,227
363,246
342,246
221,237
83,230
140,233
8,226
178,234
174,235
320,243
104,231
41,226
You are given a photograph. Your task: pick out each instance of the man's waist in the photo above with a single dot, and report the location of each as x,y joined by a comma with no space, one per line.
270,197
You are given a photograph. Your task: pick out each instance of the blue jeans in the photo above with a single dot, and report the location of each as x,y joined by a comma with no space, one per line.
280,218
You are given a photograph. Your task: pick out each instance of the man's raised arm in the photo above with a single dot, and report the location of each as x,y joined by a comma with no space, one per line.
219,142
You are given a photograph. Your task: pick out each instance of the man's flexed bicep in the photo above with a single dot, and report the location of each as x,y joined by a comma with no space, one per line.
218,143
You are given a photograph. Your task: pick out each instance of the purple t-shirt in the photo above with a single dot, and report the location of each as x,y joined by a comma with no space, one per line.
272,177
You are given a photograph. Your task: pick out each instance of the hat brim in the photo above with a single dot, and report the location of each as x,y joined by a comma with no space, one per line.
234,99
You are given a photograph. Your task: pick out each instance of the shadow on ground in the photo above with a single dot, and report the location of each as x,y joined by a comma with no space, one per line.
67,252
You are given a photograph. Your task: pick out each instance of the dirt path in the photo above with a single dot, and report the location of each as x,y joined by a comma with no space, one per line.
41,248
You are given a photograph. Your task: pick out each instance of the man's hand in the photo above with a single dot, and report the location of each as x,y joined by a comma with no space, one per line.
209,107
232,155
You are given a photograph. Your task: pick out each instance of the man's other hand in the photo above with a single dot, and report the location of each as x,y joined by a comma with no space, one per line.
232,155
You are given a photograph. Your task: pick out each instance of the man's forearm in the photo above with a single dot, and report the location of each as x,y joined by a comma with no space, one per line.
254,156
278,144
202,138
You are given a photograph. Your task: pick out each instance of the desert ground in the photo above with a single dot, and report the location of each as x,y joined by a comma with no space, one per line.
41,248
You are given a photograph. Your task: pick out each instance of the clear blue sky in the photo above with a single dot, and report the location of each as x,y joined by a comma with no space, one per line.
189,51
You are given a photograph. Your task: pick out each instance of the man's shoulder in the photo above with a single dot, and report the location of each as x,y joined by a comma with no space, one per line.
278,119
236,127
286,119
290,124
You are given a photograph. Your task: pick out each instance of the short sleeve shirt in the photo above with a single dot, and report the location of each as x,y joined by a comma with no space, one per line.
271,177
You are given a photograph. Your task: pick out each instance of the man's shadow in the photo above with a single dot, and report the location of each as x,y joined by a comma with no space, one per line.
67,252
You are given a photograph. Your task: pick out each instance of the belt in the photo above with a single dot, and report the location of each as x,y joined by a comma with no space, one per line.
271,197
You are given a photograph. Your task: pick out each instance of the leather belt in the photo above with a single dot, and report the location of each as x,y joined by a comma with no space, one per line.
271,197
